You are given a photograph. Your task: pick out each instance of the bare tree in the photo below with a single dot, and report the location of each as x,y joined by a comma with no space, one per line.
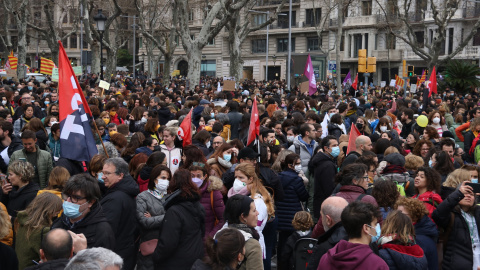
224,10
238,30
418,18
5,34
20,12
158,21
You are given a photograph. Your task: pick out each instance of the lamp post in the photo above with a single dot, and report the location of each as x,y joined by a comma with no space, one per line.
289,43
100,19
274,57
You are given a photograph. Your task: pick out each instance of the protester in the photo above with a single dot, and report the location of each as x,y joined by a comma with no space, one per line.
427,187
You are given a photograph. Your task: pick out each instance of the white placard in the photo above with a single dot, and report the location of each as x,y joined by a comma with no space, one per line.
413,88
392,83
383,83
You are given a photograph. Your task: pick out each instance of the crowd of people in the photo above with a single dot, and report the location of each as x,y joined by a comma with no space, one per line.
355,172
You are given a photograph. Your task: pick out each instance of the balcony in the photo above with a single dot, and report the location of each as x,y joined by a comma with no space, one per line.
468,52
384,55
389,19
357,21
273,2
416,17
471,13
284,26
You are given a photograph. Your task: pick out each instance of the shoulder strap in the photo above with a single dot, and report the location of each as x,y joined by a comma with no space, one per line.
360,197
297,149
213,208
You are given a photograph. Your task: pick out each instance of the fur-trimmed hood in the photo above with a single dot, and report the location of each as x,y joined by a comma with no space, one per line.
211,161
215,183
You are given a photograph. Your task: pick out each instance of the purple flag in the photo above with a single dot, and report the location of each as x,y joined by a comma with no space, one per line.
348,79
310,74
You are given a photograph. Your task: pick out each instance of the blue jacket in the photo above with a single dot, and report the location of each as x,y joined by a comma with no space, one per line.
403,257
54,145
426,236
295,192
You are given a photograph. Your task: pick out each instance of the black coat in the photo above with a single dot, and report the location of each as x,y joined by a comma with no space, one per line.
458,252
324,170
94,226
468,140
270,179
120,207
181,237
164,115
295,193
287,258
325,242
8,257
334,130
426,236
202,147
15,144
18,199
234,118
50,265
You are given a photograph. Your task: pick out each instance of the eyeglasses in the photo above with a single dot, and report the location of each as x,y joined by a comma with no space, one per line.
73,198
107,173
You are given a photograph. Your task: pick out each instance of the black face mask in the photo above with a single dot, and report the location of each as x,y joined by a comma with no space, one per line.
156,148
54,113
359,125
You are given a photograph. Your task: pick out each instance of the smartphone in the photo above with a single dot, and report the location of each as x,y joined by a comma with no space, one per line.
475,186
4,179
22,159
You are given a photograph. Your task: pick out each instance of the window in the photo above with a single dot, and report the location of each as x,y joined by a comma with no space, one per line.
73,41
421,5
420,38
177,40
391,42
192,37
259,45
282,44
313,16
191,15
140,42
208,68
357,44
211,42
476,38
342,43
450,40
391,11
313,44
65,17
366,8
282,21
73,16
258,19
376,41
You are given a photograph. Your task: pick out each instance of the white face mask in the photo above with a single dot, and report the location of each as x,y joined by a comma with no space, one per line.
383,128
208,144
162,186
436,120
298,168
238,185
4,102
290,138
144,120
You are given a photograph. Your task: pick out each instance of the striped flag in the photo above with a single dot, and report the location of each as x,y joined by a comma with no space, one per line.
46,66
399,82
13,61
422,79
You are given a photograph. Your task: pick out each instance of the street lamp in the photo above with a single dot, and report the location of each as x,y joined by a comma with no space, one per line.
274,57
100,19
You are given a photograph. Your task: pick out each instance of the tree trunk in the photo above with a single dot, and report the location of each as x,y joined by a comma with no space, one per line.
54,55
111,64
236,61
166,67
22,48
95,57
194,55
338,41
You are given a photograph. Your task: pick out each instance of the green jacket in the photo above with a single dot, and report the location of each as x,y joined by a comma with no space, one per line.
44,164
28,249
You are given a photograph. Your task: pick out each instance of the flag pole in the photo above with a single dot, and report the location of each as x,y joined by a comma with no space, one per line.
100,137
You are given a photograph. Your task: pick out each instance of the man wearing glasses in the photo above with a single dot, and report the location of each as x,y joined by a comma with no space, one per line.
120,208
83,214
27,99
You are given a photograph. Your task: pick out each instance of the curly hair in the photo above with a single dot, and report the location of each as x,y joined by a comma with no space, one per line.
432,177
302,221
385,193
432,132
24,169
416,209
456,178
417,150
432,114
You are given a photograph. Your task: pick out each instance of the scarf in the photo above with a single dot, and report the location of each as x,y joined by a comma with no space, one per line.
395,239
226,164
393,169
243,191
155,193
245,228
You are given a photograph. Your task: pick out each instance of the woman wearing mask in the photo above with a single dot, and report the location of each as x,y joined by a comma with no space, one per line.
383,126
221,160
136,120
363,126
23,120
202,141
151,129
397,245
143,179
247,183
241,213
211,197
112,107
32,224
295,194
226,251
436,121
150,214
105,117
427,185
458,216
180,242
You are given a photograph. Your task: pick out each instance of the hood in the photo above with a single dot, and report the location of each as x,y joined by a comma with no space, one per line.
144,149
126,185
346,255
175,199
317,159
425,226
214,183
163,112
22,217
145,173
406,256
41,135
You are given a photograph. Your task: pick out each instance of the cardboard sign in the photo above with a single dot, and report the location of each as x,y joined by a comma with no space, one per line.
228,85
383,83
11,72
392,82
55,74
77,70
413,88
304,87
103,84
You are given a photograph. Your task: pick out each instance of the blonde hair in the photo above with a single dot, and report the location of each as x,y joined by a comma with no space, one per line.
456,177
413,162
390,150
302,221
4,223
23,169
40,212
256,186
277,165
57,179
400,225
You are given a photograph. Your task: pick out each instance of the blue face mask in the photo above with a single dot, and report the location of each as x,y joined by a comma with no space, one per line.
71,210
475,181
47,102
30,88
227,157
212,115
124,103
99,177
332,114
430,163
335,151
378,231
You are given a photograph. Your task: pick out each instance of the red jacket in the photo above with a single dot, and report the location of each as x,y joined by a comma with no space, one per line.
116,119
431,200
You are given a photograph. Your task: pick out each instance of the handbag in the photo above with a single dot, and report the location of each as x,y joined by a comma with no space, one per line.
148,247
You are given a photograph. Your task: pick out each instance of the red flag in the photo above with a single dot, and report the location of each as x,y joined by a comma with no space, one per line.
433,82
185,129
254,129
355,82
354,133
76,137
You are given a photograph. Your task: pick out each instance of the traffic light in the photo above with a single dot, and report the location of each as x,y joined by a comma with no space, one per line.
372,65
410,72
362,61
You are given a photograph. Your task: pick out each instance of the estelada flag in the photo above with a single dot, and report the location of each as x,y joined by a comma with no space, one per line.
46,66
185,129
13,61
76,137
433,82
355,82
354,133
254,129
